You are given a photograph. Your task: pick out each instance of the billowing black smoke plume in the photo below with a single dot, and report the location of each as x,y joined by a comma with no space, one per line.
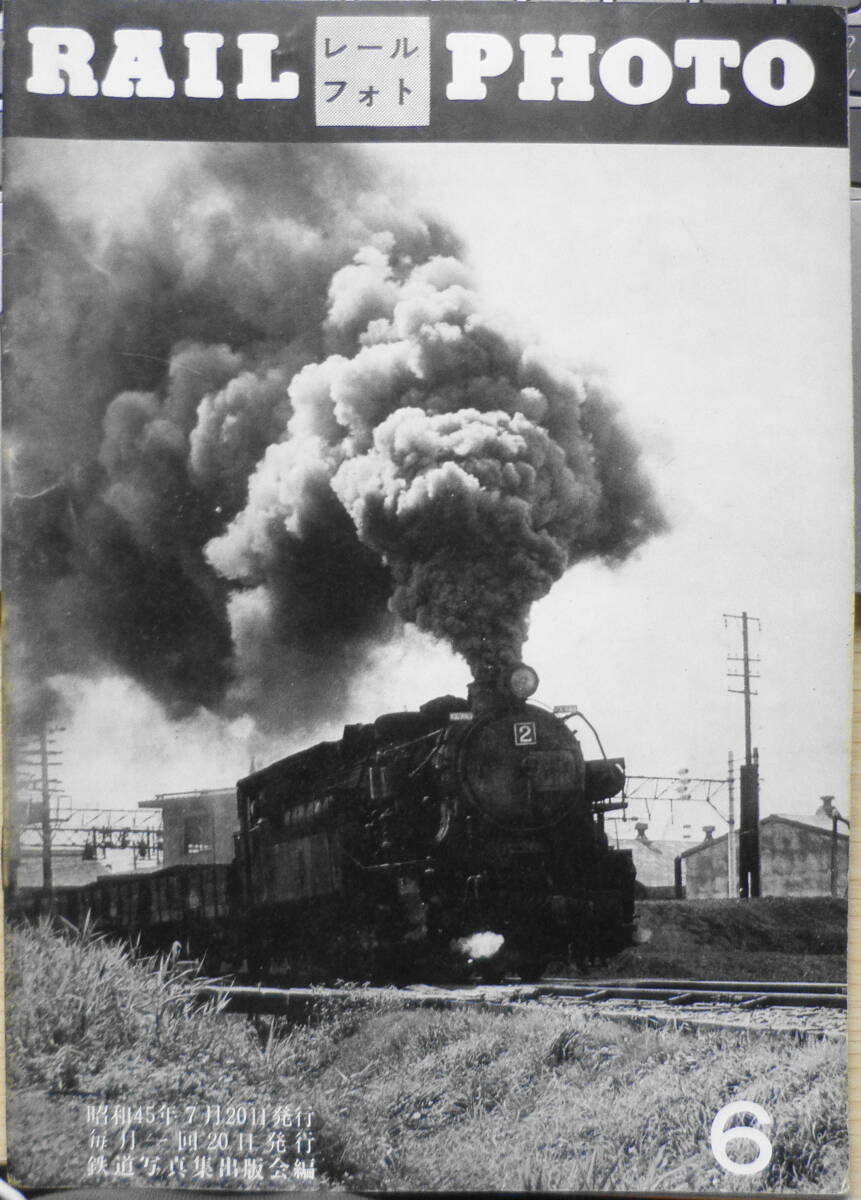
250,436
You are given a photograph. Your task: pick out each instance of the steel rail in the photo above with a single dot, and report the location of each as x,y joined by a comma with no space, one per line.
744,995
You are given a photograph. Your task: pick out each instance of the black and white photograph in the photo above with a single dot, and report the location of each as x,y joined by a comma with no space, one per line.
428,574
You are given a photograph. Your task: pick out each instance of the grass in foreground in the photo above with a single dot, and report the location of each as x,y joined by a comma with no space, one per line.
546,1099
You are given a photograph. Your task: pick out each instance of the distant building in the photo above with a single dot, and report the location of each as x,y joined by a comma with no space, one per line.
799,856
198,826
654,862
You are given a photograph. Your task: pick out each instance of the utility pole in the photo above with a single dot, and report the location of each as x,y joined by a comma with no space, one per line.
748,839
47,867
731,889
836,818
39,752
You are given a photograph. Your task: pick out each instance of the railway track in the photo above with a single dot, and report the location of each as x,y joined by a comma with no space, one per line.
679,1003
746,994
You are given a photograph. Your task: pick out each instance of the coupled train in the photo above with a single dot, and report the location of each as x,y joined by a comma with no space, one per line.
465,837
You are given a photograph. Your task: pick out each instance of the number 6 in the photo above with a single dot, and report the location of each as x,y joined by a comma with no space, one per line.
720,1136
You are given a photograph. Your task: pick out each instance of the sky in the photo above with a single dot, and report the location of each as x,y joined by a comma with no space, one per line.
709,286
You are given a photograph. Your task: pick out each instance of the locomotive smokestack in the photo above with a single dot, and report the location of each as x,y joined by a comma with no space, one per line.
486,696
496,687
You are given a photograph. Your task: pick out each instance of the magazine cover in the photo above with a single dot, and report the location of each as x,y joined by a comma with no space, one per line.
428,582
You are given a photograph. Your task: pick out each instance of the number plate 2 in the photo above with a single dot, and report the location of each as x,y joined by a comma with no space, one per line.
525,733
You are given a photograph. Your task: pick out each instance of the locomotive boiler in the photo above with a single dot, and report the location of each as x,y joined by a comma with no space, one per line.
466,836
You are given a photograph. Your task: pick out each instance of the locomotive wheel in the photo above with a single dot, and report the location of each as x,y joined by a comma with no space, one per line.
395,966
490,972
257,960
211,962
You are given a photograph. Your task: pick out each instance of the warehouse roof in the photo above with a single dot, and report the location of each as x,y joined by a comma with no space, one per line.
812,825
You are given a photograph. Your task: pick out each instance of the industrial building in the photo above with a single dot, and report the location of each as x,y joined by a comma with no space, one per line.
198,826
799,856
654,861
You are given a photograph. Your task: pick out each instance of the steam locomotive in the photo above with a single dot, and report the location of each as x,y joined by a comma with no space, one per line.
466,837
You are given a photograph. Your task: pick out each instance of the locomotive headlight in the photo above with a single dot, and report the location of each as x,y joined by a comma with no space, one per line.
523,681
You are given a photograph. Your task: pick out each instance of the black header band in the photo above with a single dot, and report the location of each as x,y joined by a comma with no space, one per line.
283,70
